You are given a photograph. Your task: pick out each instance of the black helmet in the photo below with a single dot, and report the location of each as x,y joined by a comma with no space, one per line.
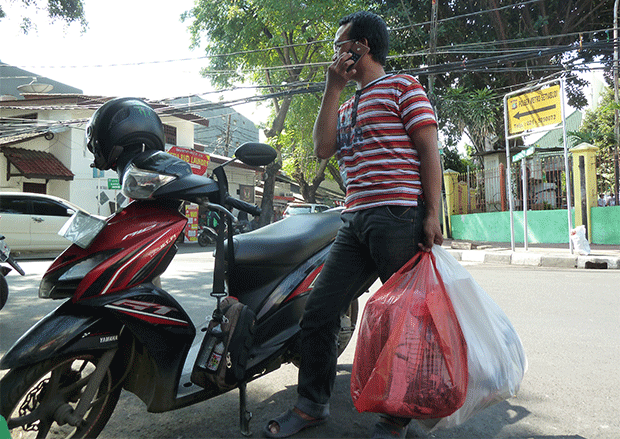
120,123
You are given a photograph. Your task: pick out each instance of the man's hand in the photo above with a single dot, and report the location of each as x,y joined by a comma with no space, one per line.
432,233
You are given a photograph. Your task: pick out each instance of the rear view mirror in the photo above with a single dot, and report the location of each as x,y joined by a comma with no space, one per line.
256,154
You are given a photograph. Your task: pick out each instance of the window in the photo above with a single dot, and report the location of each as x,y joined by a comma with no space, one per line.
14,204
46,207
171,134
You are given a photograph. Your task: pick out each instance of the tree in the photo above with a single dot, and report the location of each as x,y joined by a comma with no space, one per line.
69,11
471,112
598,129
279,44
300,161
499,46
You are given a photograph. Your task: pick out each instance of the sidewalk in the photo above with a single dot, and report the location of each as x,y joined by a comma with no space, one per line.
537,255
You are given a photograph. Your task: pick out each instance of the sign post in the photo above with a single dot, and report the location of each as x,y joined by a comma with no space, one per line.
528,109
535,109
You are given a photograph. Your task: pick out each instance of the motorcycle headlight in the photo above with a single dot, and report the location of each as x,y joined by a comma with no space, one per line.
139,184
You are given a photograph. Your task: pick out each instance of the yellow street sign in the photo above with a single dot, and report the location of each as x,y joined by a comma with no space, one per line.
534,110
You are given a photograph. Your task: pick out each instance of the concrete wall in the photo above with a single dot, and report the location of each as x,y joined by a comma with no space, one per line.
544,226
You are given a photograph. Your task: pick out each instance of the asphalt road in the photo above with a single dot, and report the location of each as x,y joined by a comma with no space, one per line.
568,320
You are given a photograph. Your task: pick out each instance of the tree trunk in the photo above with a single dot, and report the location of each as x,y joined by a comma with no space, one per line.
308,191
335,173
268,192
273,169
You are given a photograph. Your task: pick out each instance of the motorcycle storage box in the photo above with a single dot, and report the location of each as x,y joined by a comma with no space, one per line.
223,355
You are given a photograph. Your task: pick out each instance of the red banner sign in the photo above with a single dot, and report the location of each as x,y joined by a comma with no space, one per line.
196,159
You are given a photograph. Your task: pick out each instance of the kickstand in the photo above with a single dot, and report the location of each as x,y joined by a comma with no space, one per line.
244,415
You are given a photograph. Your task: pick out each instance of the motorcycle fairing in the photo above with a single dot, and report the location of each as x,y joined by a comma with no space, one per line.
69,328
138,243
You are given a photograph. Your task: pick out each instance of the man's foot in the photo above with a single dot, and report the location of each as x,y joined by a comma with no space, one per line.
290,422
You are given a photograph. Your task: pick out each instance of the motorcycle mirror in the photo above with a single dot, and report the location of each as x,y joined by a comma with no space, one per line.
256,154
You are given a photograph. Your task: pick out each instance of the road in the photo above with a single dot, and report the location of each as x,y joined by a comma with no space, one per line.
567,319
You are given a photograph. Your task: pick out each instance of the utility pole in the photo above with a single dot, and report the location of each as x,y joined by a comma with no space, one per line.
227,143
433,47
617,111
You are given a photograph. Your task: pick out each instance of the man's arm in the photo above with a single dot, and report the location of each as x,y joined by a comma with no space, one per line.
324,133
325,127
425,141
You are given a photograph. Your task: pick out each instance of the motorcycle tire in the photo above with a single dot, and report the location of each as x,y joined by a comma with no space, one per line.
204,239
4,291
33,397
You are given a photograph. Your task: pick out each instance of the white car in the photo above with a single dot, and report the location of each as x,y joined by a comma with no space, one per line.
30,222
298,208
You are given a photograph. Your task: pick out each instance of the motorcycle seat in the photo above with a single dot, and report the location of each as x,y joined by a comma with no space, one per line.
289,241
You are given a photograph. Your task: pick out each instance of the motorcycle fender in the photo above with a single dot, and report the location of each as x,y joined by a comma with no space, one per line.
64,330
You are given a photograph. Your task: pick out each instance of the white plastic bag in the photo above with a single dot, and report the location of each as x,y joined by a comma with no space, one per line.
495,354
580,242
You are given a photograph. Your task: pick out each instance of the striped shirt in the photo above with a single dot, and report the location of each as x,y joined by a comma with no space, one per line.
378,160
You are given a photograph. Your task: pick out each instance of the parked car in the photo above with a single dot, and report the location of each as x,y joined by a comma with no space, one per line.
31,221
297,208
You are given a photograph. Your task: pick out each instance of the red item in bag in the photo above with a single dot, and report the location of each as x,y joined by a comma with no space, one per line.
411,356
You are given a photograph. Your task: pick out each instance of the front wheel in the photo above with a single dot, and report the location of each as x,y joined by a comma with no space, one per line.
39,400
204,239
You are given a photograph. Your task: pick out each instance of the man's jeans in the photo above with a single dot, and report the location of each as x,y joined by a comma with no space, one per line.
378,240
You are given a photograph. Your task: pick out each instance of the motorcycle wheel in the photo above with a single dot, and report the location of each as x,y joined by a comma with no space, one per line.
204,239
4,291
37,397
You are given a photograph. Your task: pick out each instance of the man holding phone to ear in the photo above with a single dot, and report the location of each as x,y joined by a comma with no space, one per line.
385,138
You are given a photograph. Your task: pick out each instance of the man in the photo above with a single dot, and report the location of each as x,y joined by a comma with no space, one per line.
385,138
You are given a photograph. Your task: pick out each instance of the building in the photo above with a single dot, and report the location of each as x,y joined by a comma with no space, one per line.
14,80
43,148
226,129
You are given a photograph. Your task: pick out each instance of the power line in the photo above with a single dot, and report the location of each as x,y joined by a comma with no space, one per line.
280,47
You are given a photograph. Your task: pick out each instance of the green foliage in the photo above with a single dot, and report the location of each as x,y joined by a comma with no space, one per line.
598,129
474,112
452,160
466,33
69,11
266,41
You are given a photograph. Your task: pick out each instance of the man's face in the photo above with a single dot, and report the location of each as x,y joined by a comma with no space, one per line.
342,43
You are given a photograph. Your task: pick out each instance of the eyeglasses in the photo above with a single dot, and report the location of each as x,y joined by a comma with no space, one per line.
337,44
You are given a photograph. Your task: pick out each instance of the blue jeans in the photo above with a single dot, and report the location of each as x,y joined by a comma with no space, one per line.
378,240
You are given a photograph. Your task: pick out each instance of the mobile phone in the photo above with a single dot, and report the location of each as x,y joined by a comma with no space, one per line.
357,51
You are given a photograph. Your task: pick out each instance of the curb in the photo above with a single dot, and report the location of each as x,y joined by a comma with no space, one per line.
531,259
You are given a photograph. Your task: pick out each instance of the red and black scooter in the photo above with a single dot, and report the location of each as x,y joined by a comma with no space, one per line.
120,330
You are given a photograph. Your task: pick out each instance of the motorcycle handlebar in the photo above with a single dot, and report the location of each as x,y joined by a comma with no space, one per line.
252,209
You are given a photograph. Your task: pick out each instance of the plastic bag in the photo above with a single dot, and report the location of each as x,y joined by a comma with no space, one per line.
580,242
496,358
411,356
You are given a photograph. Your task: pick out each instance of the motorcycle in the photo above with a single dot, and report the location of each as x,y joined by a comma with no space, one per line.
120,330
208,235
5,256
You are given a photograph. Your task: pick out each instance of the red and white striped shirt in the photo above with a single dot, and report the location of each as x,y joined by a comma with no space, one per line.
376,153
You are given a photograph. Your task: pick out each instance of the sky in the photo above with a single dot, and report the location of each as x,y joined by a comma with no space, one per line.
124,52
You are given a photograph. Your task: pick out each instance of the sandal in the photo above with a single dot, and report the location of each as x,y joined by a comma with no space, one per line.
385,430
291,422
